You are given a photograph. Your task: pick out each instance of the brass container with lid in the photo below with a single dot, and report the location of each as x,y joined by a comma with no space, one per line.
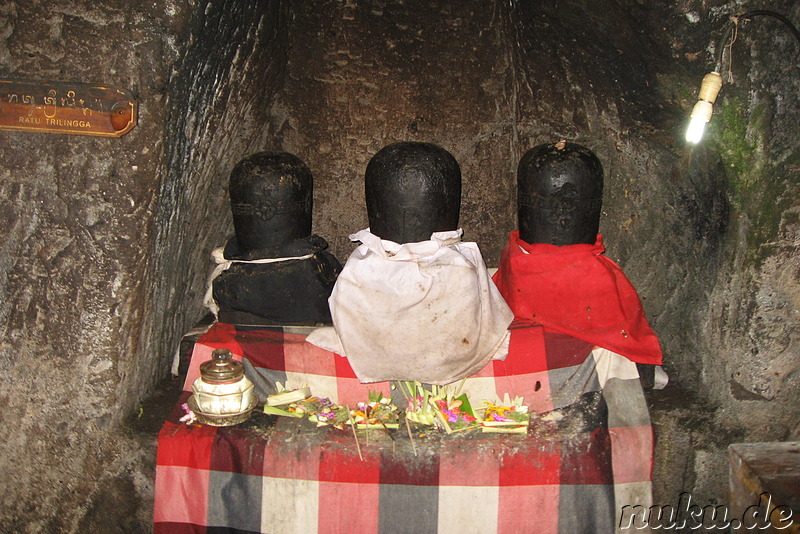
223,389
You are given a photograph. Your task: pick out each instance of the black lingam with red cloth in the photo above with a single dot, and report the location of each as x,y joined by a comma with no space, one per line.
553,272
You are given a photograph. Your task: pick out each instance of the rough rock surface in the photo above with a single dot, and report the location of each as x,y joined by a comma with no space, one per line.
104,244
382,72
75,239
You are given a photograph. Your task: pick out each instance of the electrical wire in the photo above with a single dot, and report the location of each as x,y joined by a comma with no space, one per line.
748,16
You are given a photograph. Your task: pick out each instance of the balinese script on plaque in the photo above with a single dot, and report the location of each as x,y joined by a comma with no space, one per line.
66,108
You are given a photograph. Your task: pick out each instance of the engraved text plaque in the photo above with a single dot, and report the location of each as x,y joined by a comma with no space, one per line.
66,108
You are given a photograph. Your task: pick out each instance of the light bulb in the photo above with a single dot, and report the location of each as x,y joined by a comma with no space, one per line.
694,133
701,114
702,111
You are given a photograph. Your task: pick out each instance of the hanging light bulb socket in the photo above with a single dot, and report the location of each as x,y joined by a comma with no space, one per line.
712,82
703,109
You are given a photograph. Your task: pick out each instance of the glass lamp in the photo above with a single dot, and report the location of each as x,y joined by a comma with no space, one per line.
701,113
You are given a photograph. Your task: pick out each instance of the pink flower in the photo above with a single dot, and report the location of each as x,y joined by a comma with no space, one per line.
190,417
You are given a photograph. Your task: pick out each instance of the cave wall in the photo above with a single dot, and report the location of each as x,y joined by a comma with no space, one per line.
75,239
750,339
104,244
367,74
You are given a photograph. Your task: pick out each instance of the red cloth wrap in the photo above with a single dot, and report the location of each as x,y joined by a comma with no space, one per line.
575,290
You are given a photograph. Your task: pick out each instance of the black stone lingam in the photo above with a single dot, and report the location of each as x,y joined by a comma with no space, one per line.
271,201
559,194
559,199
412,190
408,305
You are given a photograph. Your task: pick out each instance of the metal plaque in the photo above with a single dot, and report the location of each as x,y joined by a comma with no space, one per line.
66,108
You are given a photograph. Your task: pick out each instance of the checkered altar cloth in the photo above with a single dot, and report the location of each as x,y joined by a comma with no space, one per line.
588,453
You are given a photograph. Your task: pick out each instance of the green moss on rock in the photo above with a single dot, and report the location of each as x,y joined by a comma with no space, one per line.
757,187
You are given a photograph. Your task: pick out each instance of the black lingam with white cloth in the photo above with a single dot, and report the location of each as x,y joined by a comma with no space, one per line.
274,271
413,301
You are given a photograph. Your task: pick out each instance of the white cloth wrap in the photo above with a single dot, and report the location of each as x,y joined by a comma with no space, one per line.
424,311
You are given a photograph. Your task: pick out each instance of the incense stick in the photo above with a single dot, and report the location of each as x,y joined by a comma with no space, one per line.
411,437
355,435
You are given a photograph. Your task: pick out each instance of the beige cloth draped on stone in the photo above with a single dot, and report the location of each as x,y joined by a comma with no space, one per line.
424,311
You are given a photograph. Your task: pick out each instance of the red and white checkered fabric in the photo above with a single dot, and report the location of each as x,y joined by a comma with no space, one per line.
588,452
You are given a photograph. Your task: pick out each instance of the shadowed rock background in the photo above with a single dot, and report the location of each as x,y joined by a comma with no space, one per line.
105,243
